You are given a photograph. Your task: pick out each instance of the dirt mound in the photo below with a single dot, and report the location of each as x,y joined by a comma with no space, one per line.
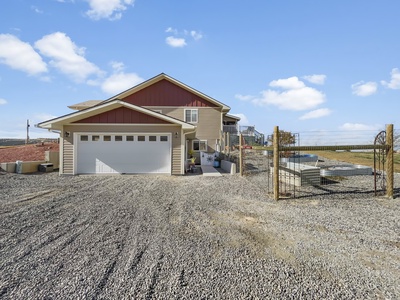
26,152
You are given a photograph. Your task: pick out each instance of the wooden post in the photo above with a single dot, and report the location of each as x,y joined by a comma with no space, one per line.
228,142
240,155
389,161
276,163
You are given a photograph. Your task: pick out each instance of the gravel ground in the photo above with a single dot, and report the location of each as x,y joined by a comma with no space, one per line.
193,237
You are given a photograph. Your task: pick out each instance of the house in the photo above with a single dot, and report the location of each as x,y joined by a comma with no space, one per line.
149,128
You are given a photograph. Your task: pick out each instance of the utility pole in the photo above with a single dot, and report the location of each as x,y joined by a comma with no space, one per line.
27,131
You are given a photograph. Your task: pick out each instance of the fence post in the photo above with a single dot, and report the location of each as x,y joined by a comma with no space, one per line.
276,163
240,155
389,161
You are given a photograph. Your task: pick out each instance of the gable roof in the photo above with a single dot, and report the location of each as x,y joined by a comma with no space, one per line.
163,76
85,104
57,123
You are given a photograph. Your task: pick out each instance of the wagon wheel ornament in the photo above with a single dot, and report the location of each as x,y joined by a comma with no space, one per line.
379,161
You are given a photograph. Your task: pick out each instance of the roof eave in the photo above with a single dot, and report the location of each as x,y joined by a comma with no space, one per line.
59,122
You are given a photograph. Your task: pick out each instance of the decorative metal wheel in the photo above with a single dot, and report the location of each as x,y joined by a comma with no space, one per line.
379,162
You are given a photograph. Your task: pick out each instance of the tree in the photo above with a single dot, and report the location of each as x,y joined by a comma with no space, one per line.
286,138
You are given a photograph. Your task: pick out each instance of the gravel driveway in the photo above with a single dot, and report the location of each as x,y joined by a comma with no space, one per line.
194,237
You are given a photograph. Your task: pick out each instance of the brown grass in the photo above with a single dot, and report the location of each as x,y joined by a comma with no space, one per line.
357,158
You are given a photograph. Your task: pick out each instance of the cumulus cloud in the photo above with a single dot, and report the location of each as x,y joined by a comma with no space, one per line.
244,97
175,42
20,55
394,82
288,83
358,126
36,9
3,101
316,79
117,66
364,89
119,82
108,9
243,119
67,57
172,30
295,95
196,35
179,39
315,114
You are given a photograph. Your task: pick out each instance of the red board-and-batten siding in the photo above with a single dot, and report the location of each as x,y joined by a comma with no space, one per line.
122,115
165,93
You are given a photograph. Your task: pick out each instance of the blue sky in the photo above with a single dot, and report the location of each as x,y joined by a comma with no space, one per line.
310,66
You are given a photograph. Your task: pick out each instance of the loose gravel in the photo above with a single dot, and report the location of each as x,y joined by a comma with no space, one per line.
192,237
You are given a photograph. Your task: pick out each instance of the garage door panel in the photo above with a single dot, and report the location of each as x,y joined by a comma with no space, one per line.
124,156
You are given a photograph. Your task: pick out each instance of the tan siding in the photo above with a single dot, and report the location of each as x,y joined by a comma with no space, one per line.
175,112
176,148
68,154
208,127
176,156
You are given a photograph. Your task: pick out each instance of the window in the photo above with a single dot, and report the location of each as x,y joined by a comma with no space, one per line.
118,138
141,138
164,138
129,138
107,138
152,138
84,138
95,138
199,145
191,115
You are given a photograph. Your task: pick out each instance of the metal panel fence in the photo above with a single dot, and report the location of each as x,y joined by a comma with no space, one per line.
340,171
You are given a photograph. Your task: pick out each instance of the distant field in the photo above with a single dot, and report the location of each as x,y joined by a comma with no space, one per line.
16,142
357,158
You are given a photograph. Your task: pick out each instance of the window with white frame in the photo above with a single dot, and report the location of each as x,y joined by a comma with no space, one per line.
191,115
199,145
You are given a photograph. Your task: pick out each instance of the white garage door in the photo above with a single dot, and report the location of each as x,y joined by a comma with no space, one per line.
123,153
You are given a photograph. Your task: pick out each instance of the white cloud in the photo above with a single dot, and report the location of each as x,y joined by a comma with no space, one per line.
171,30
296,97
315,114
67,57
363,89
244,121
394,81
358,126
117,66
20,55
288,84
3,101
316,79
196,35
36,10
244,97
120,82
108,9
175,42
